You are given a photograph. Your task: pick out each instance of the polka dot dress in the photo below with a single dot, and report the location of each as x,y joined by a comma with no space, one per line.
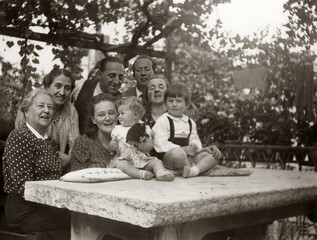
27,158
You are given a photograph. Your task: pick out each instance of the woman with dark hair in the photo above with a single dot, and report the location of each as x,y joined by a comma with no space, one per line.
64,128
92,149
30,155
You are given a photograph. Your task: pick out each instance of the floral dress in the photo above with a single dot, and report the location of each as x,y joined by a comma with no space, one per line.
137,158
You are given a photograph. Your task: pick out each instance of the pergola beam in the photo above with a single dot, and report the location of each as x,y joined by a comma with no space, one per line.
81,40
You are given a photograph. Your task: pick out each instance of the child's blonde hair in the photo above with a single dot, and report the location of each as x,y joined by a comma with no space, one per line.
135,105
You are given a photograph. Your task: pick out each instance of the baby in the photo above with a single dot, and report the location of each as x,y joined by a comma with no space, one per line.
130,111
136,162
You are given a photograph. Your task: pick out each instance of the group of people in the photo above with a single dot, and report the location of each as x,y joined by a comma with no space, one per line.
143,131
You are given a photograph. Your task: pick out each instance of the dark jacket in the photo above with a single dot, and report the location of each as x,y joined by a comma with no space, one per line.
82,103
130,92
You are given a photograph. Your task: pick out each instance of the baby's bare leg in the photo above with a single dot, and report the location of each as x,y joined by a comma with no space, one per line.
155,165
127,168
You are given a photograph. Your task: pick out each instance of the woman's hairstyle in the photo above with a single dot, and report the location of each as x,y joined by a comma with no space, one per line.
135,105
25,105
56,71
91,130
136,132
146,98
144,57
178,90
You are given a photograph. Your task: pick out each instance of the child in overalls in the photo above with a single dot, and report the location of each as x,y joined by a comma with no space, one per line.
175,136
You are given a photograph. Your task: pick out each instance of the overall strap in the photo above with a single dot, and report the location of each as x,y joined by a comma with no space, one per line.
190,127
172,130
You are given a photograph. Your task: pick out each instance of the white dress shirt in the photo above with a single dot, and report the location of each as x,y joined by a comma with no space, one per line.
138,93
97,90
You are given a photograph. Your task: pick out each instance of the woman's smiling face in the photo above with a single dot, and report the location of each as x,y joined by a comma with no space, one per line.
105,116
60,88
40,112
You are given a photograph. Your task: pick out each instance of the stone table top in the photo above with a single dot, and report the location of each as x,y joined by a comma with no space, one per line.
153,203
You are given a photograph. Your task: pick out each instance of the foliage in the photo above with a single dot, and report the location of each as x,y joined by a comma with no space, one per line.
69,25
9,90
204,61
268,117
302,22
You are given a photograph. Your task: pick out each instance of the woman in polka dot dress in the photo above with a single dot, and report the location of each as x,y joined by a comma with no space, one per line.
30,155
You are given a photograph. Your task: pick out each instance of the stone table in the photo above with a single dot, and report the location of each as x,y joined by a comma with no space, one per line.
182,209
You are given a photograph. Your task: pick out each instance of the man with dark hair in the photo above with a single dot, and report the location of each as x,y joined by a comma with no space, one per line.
143,69
107,80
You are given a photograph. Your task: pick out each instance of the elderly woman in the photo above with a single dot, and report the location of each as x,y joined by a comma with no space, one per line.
92,149
64,128
154,97
30,155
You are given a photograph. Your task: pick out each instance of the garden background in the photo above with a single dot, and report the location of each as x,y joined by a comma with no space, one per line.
258,88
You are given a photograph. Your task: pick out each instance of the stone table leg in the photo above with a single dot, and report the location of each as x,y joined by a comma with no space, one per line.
90,227
251,224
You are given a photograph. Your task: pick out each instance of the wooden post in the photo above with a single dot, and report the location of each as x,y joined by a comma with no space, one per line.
304,92
172,42
169,58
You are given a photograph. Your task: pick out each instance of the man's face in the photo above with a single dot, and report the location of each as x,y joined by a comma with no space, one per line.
143,71
111,79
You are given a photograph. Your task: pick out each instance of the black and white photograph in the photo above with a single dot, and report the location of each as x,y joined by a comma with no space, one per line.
158,120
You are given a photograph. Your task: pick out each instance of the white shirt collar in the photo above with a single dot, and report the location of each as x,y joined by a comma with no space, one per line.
36,133
97,90
183,118
138,92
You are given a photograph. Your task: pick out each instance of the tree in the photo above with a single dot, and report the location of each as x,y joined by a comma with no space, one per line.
267,117
69,25
302,23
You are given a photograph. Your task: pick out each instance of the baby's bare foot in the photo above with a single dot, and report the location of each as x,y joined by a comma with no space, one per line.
146,175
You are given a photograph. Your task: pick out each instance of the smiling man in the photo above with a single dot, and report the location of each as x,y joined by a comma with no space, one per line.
108,80
143,69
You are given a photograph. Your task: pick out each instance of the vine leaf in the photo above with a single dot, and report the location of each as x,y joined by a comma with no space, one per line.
10,44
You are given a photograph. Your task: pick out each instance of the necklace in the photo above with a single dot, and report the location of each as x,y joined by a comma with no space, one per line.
56,119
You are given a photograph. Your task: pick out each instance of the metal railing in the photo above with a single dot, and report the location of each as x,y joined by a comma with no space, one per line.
269,154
